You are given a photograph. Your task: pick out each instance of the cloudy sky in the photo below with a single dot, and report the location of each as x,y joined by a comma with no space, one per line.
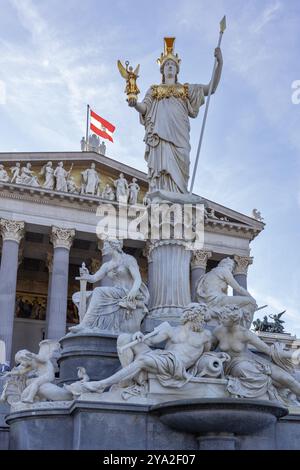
55,57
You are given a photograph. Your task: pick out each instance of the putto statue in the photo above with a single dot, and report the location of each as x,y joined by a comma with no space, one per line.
117,308
165,113
61,176
90,181
134,190
185,356
212,289
48,172
32,379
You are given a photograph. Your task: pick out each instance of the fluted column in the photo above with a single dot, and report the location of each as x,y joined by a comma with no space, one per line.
62,240
49,264
241,270
12,232
198,268
168,278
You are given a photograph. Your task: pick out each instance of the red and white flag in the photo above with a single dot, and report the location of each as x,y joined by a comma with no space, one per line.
100,126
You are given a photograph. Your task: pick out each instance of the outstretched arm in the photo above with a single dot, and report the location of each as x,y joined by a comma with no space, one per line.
100,274
137,280
216,80
236,286
140,107
163,332
255,341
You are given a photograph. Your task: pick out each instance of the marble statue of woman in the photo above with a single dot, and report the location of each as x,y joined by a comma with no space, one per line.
117,308
134,189
61,176
165,113
48,172
90,180
249,374
121,186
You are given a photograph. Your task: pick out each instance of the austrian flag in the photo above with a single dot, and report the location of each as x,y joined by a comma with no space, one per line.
100,126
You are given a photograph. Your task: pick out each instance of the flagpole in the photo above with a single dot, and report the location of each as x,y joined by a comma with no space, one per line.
87,126
222,29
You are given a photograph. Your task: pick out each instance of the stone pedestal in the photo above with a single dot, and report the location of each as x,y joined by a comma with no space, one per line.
168,281
190,425
96,352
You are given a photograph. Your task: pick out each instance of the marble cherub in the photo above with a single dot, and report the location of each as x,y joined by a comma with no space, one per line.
33,376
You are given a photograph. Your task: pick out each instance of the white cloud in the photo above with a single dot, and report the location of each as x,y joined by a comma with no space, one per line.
2,92
266,17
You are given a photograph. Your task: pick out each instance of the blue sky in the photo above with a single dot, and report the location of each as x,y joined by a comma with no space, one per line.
55,57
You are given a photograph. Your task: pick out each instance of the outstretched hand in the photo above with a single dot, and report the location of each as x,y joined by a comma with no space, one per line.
132,102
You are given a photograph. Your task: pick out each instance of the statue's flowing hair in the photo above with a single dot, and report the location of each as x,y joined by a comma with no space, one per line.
232,312
195,313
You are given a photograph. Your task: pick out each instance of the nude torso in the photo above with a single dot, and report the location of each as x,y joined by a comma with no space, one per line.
231,342
187,345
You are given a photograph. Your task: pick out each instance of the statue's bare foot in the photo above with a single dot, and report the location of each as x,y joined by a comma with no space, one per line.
27,400
94,387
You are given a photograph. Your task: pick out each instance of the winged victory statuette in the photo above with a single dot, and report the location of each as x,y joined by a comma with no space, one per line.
130,76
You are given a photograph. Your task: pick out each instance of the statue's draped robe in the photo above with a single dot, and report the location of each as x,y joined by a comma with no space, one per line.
167,138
